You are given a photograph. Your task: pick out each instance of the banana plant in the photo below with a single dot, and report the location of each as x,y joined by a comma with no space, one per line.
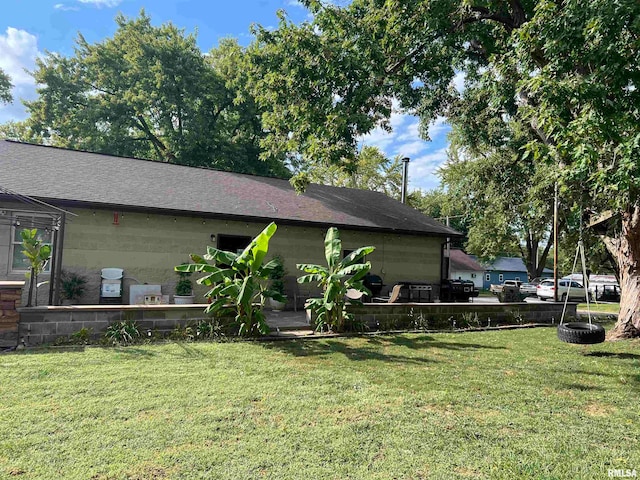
238,282
340,275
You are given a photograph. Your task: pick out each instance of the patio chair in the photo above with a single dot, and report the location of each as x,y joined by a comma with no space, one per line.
394,297
111,285
292,290
353,294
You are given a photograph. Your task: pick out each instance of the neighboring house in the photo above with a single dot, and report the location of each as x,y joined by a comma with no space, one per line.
464,267
146,217
504,268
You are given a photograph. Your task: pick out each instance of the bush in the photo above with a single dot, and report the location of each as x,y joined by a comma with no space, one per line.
124,332
71,286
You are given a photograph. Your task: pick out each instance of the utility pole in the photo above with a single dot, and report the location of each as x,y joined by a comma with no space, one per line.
555,243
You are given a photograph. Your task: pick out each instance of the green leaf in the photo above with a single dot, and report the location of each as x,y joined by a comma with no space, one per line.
332,247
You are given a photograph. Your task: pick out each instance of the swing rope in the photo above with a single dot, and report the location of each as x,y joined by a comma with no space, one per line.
585,279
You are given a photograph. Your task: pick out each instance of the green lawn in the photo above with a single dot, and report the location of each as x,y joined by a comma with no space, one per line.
613,308
509,404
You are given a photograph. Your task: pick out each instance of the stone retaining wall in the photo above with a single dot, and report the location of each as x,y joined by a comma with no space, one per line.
45,325
10,295
381,316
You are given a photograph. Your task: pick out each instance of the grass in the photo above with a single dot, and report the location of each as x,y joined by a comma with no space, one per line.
601,307
494,405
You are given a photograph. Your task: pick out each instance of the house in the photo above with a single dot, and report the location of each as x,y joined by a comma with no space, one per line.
507,268
145,217
464,267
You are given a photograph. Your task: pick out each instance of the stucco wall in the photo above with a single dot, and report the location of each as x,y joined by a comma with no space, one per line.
147,247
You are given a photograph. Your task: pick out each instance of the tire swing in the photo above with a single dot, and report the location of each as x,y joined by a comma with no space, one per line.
583,333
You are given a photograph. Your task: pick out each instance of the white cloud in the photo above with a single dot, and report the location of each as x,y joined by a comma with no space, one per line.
18,51
423,170
102,3
438,127
63,7
412,148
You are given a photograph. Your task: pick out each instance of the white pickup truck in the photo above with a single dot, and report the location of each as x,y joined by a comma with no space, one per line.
526,289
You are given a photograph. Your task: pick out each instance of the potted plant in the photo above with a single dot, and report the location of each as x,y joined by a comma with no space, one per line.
277,283
184,289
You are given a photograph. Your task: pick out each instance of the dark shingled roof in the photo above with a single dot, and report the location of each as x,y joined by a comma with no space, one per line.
70,177
460,261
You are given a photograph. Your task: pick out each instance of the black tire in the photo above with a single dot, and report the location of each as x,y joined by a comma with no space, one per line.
581,333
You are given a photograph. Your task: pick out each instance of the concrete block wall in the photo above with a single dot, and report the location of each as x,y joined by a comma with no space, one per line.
437,316
47,325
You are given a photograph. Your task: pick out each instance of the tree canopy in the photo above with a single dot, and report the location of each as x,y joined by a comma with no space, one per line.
149,92
5,88
373,171
560,81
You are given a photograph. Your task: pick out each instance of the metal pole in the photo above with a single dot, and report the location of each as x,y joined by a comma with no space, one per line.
405,179
56,291
555,243
54,270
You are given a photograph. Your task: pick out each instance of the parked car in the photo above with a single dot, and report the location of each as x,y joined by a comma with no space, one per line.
545,289
524,289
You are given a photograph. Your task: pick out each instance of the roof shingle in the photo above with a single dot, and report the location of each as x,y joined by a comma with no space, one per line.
67,176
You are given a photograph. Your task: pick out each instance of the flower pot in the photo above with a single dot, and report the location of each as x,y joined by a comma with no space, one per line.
183,299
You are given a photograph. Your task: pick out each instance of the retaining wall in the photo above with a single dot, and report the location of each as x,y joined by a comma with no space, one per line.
46,325
40,325
381,316
10,295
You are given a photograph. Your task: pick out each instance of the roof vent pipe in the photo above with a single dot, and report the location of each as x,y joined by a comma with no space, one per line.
405,179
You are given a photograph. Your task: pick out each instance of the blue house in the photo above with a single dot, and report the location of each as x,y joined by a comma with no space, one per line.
503,268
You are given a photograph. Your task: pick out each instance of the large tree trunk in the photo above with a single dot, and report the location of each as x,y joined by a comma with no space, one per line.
626,250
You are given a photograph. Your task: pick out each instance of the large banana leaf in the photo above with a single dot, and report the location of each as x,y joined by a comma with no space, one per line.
312,268
356,255
332,247
254,254
220,256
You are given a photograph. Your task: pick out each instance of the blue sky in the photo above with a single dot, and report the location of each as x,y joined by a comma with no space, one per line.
28,28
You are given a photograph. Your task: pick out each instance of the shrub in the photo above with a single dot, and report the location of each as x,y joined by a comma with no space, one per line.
71,285
124,332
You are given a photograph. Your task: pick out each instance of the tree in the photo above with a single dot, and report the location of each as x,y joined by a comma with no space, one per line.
238,281
373,171
339,276
5,88
148,92
566,73
37,254
440,205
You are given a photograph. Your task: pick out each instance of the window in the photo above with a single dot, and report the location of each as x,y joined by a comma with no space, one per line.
487,277
517,279
501,278
473,275
233,243
21,221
